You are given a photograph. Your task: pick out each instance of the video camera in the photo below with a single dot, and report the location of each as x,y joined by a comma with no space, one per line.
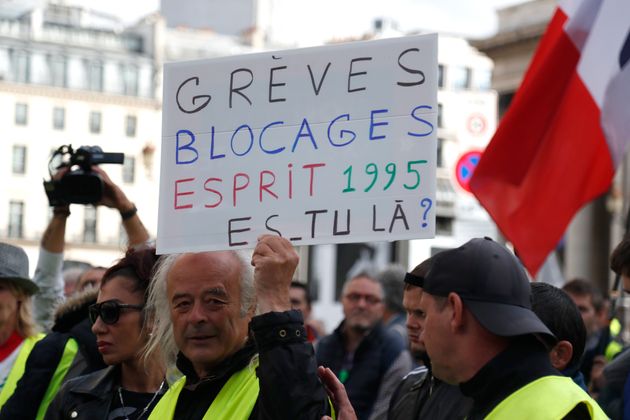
80,185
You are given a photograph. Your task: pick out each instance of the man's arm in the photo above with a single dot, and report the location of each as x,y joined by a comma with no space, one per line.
48,275
289,386
115,198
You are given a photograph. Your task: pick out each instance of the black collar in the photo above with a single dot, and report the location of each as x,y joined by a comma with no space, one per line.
227,367
524,361
98,384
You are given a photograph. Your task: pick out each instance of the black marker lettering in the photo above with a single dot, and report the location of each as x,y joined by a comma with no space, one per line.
314,213
409,70
344,232
374,228
398,214
230,230
351,74
238,89
269,227
272,84
317,88
194,98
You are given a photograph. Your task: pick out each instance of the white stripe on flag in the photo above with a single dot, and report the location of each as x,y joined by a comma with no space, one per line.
581,15
599,62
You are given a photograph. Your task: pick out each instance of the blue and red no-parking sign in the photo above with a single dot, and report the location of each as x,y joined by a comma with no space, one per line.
466,167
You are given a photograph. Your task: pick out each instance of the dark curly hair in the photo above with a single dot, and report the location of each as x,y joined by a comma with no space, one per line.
620,257
137,266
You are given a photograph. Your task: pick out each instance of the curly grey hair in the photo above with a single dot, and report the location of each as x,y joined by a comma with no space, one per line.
162,341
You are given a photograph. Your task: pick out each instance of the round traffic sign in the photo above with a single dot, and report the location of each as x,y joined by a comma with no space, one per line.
476,124
466,167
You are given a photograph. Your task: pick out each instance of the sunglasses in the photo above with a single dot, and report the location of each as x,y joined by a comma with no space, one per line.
109,311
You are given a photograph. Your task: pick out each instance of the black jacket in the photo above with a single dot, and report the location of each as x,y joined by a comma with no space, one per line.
71,321
421,395
87,397
289,387
287,373
524,361
372,358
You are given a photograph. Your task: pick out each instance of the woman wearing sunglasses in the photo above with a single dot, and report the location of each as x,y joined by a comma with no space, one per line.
131,386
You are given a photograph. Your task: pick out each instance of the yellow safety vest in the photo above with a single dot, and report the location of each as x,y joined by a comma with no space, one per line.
18,367
69,352
235,401
547,398
614,347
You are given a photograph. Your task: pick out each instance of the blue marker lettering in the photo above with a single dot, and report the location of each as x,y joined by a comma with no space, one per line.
422,120
373,124
185,147
342,133
309,134
260,139
251,140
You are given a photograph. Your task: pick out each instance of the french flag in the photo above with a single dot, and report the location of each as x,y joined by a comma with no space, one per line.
566,130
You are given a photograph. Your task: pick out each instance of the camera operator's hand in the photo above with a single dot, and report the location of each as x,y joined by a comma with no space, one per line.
113,196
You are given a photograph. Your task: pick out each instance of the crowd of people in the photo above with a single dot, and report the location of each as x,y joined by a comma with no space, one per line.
231,335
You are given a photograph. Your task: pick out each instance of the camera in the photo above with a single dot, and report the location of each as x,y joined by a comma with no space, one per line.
79,185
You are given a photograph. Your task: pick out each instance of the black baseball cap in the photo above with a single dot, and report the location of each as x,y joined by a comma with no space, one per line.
491,282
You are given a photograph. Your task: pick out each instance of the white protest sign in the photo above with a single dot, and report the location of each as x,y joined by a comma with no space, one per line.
320,145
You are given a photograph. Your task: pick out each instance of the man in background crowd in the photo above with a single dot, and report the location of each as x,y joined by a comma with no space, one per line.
301,301
600,346
392,281
368,359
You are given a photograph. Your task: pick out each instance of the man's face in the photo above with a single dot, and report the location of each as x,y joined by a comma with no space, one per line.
298,301
587,310
8,307
362,303
415,317
436,338
204,297
91,278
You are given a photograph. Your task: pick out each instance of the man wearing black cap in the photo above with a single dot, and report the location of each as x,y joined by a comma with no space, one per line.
17,329
480,332
421,395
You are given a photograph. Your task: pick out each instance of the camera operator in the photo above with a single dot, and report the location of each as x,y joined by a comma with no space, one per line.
48,275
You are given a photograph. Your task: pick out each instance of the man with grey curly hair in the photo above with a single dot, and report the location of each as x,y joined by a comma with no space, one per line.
231,331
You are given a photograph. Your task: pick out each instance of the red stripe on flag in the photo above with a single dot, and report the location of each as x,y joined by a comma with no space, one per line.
549,155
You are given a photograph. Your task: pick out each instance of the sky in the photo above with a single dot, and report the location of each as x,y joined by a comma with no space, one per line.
320,20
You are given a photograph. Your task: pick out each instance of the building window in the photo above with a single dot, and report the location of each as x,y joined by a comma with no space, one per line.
130,125
440,152
461,77
59,118
443,226
16,218
58,71
130,80
129,169
483,79
89,225
19,159
95,76
440,75
20,66
440,117
95,122
21,114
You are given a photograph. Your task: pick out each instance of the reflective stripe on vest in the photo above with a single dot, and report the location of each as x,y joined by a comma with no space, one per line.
18,368
69,352
235,401
550,397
